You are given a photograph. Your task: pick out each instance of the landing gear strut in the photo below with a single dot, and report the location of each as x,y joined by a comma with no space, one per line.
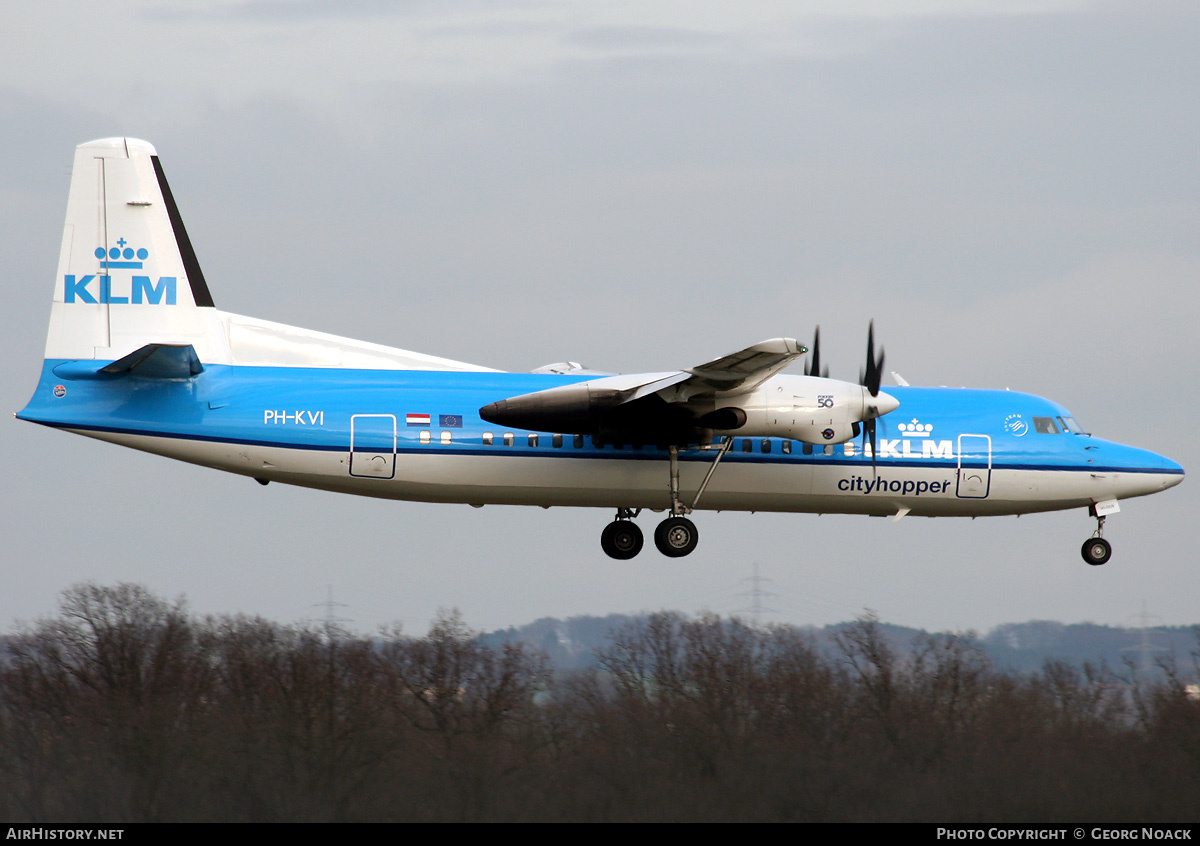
1096,550
676,536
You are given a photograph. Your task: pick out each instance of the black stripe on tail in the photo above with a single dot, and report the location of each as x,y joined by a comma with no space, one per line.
190,265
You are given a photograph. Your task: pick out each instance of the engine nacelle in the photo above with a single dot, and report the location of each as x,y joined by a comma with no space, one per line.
805,408
605,407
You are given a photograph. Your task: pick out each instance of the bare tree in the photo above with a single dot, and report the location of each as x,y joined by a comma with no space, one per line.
114,685
473,705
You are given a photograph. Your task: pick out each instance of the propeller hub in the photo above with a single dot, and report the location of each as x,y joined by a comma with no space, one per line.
881,404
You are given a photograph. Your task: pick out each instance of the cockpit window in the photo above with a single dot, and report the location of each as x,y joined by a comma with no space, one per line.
1045,426
1071,426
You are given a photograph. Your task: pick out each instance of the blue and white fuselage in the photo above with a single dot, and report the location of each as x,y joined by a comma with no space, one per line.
417,435
137,354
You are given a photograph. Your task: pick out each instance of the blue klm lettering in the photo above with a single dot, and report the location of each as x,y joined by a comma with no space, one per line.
143,291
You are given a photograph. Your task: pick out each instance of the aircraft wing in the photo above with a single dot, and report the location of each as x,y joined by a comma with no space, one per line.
738,371
748,368
647,404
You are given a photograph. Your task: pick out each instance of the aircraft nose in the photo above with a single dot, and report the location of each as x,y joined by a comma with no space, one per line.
1141,472
1170,471
1174,471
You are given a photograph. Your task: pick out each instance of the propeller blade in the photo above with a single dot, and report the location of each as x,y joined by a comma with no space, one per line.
813,366
871,377
869,432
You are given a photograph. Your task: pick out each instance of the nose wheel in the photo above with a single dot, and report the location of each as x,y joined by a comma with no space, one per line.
1096,550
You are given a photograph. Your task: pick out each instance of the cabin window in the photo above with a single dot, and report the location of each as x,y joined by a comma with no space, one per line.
786,446
447,437
578,441
487,438
1045,426
747,445
766,445
425,436
556,440
828,449
807,449
597,442
533,440
508,438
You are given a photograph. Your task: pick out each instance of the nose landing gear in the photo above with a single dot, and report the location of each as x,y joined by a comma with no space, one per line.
1096,550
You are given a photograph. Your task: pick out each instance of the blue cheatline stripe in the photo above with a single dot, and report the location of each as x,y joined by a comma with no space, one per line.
574,453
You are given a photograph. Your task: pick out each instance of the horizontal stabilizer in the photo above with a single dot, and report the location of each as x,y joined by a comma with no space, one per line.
159,361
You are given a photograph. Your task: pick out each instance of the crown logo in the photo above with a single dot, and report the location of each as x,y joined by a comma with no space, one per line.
916,427
121,257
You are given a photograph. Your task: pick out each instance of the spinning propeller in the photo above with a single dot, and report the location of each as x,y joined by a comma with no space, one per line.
813,365
869,378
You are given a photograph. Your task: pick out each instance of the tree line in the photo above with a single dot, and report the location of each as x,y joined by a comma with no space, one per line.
125,707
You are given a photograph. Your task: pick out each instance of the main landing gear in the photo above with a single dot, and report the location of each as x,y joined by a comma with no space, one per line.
622,539
676,536
1096,550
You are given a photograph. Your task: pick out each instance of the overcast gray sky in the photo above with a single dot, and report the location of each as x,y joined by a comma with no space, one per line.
1011,189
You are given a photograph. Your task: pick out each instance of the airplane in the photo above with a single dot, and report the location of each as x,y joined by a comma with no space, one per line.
138,354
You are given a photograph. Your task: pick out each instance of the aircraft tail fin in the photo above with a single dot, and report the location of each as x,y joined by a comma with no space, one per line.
128,280
127,273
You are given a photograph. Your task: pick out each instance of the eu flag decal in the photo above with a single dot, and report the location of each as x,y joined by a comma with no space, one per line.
450,421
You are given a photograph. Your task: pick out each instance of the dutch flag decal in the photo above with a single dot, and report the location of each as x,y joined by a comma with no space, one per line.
417,419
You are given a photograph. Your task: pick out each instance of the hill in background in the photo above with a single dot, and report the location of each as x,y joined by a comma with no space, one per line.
571,644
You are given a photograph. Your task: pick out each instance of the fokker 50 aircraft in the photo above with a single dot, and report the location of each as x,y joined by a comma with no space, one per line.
138,354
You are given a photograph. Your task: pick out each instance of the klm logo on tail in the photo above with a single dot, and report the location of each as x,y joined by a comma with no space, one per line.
110,259
141,289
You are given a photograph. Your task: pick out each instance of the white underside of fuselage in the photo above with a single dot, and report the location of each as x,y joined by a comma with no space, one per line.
428,475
